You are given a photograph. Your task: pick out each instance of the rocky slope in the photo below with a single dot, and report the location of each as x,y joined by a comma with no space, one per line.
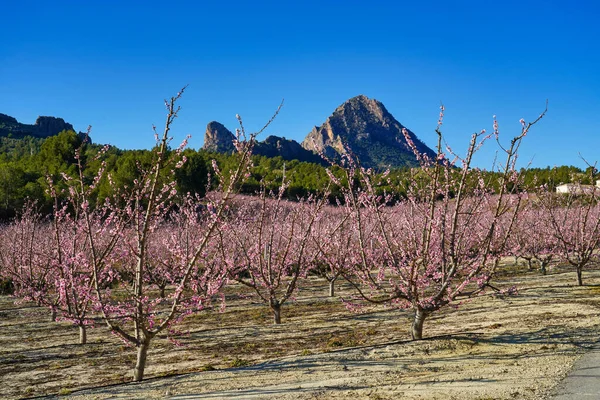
287,149
369,131
43,127
219,139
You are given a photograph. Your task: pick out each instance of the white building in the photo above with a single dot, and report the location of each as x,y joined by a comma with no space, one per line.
578,188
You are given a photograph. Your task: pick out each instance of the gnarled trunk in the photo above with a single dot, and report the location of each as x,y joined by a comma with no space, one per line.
579,276
140,365
416,330
82,334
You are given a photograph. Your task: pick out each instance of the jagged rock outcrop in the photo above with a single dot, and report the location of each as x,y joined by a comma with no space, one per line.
43,127
50,126
218,139
7,119
369,131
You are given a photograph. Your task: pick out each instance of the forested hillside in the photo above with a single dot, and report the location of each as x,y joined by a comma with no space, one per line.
27,163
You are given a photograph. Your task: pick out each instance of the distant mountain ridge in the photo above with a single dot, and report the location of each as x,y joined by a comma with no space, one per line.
43,127
361,125
219,139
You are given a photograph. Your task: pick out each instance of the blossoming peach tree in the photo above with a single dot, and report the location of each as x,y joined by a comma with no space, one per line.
142,260
573,221
135,312
51,260
444,240
268,249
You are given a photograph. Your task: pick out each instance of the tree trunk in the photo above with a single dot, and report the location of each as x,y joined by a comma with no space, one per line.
82,334
276,313
140,365
417,325
543,266
332,288
162,292
530,264
579,277
53,314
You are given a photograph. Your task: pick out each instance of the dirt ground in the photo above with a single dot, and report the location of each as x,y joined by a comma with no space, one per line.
491,347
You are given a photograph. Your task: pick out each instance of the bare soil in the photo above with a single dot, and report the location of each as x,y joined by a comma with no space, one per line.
491,347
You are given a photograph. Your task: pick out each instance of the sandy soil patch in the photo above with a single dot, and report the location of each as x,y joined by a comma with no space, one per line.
490,348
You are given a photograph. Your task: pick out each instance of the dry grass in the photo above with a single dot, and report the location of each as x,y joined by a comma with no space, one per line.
499,347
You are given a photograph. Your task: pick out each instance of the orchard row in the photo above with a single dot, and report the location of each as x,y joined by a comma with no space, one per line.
145,259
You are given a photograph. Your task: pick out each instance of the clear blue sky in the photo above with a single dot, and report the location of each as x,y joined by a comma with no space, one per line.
110,64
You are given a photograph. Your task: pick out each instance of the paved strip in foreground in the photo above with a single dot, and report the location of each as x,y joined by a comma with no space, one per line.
583,382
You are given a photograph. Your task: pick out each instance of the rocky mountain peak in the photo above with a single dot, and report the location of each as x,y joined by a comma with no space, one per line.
365,127
363,104
218,138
